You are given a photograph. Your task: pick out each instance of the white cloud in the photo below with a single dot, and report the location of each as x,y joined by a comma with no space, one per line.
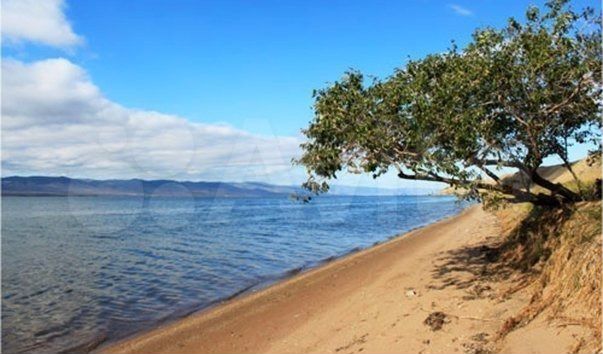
39,21
55,121
460,10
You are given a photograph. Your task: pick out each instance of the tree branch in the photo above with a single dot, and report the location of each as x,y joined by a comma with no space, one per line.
540,198
555,188
504,163
490,174
568,166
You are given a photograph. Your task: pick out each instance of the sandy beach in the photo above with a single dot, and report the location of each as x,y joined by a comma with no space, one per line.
386,299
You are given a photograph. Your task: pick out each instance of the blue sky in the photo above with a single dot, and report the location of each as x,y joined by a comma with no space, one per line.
249,65
232,61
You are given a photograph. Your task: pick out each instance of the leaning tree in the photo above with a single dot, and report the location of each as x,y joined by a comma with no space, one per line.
511,98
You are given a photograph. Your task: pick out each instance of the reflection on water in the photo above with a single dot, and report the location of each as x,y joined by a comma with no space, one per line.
78,271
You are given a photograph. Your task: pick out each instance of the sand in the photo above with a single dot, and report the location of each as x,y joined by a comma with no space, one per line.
373,301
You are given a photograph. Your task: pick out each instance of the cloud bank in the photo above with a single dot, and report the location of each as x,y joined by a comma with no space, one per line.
38,21
55,121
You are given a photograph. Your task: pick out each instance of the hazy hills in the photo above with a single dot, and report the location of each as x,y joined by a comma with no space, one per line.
65,186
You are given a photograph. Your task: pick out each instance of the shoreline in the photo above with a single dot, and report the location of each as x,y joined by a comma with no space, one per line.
166,331
99,344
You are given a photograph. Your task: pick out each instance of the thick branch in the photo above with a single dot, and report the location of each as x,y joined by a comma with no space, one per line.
541,199
490,174
537,179
568,166
556,188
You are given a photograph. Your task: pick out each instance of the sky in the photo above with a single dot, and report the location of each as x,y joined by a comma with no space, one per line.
201,90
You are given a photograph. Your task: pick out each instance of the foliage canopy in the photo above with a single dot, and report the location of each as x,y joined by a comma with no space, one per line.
510,98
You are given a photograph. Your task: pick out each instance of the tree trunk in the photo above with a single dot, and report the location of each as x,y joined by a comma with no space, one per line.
556,188
538,199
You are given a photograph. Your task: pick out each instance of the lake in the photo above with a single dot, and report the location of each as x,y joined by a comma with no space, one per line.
78,271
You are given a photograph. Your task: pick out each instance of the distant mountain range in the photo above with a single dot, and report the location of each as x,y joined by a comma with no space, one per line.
65,186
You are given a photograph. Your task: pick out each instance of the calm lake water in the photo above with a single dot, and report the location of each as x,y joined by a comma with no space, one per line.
77,271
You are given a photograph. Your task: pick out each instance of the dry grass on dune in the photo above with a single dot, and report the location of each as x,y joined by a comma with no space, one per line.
552,257
559,251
